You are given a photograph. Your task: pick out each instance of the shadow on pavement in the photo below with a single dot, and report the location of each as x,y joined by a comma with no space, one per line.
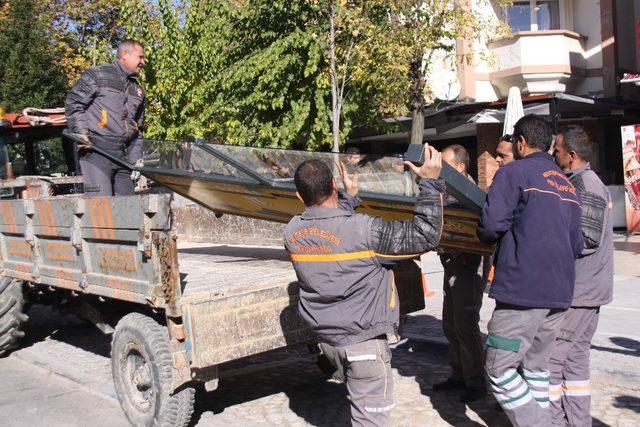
597,423
445,403
45,322
631,346
309,396
627,402
296,384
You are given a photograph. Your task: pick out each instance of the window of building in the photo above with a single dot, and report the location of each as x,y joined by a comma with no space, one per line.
532,15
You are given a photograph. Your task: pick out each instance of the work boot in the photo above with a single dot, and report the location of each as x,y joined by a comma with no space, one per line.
471,394
449,384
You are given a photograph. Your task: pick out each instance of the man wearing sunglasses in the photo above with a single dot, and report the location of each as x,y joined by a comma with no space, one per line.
504,151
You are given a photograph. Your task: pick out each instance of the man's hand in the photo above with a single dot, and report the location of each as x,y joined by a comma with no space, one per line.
87,142
351,184
135,175
432,164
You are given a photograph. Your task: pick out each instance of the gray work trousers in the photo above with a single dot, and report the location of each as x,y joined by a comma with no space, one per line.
367,368
518,347
570,387
104,178
463,289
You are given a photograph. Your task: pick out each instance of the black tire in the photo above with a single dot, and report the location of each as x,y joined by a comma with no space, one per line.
142,368
12,316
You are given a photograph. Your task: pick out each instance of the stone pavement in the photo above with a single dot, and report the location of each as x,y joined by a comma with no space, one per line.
72,358
291,392
33,396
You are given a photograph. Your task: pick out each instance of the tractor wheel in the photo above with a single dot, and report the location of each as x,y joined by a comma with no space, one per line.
12,313
142,367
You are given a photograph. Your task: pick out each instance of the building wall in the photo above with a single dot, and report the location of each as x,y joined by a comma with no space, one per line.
539,56
626,33
488,135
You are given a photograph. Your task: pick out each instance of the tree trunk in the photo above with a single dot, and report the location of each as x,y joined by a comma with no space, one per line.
336,103
416,100
417,125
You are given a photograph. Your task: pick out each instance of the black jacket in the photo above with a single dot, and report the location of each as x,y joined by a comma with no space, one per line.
107,103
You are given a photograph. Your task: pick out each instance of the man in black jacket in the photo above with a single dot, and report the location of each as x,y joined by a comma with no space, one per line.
106,108
347,290
462,290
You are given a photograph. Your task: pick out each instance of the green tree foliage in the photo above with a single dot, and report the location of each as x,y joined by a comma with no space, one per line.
410,41
252,72
271,89
30,76
240,73
83,32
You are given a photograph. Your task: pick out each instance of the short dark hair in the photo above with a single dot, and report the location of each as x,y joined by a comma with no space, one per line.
127,45
576,139
506,138
535,130
352,150
314,181
460,155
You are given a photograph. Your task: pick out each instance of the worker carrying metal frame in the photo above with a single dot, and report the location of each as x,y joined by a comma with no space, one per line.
347,289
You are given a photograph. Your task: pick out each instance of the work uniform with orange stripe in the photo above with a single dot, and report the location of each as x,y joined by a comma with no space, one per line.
107,105
348,296
570,387
532,212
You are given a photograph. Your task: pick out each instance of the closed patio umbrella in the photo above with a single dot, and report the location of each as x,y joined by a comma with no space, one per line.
514,110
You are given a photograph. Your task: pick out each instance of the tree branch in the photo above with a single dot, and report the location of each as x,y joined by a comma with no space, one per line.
345,71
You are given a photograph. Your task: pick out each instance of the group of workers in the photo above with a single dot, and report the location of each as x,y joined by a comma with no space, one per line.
547,212
549,216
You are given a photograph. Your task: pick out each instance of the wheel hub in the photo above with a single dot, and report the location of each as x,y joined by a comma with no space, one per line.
138,378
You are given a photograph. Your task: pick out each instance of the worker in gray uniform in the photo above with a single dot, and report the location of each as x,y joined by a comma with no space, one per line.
462,289
343,262
106,109
570,389
532,213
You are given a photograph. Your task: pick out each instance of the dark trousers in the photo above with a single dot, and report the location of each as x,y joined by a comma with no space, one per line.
103,177
463,289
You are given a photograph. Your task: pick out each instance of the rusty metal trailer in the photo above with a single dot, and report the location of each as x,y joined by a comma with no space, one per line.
183,311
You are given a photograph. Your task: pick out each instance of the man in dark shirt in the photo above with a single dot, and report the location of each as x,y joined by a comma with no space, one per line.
462,290
532,213
106,109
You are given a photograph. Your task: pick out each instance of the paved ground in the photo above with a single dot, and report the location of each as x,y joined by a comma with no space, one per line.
33,396
61,375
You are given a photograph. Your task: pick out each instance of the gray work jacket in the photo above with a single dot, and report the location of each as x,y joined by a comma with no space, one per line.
343,262
107,103
594,267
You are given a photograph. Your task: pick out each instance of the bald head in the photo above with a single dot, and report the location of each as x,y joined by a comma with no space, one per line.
458,157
